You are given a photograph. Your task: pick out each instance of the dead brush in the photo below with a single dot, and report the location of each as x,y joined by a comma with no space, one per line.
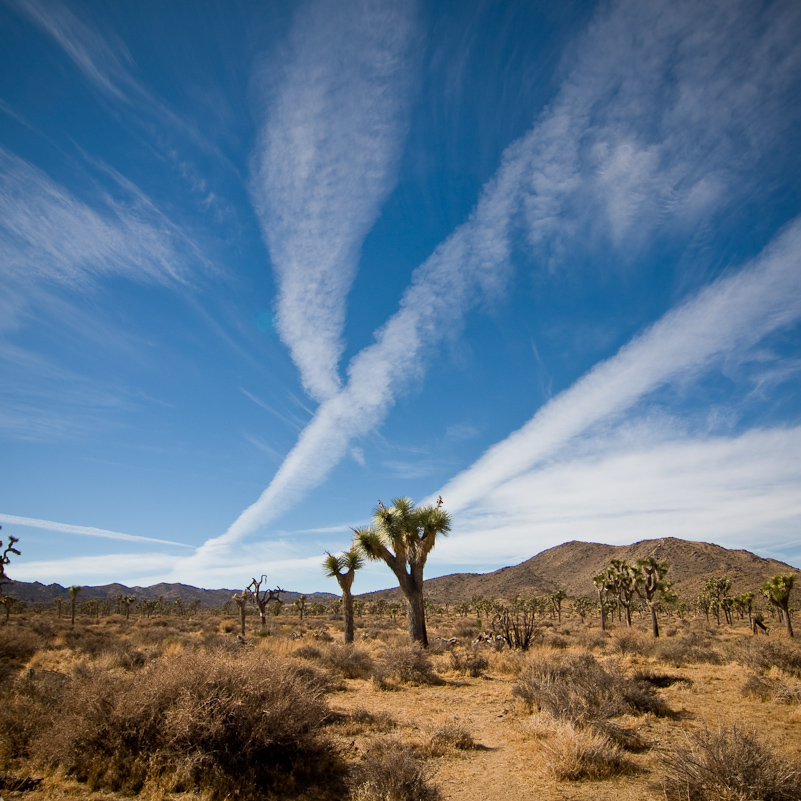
407,664
447,739
390,771
468,662
578,688
762,655
221,726
693,648
573,753
728,765
348,661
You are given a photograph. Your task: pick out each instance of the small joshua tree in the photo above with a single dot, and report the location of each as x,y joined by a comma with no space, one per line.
241,600
262,597
73,592
777,590
602,586
343,568
5,559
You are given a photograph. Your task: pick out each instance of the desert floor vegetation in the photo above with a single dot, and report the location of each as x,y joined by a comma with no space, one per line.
187,709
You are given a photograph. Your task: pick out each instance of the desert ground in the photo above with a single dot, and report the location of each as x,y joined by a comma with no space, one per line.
186,708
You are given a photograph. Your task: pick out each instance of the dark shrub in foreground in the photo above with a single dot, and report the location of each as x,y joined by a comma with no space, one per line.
732,765
245,727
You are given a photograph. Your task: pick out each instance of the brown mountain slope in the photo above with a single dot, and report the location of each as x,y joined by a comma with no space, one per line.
571,566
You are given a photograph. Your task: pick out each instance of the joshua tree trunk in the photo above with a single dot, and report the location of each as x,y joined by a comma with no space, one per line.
347,608
654,620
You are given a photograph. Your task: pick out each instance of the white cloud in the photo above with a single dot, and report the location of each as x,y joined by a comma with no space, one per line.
85,531
49,235
618,487
601,144
326,161
729,316
95,570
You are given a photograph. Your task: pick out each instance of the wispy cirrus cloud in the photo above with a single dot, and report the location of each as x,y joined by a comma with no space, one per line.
728,317
603,143
106,65
48,234
335,120
84,531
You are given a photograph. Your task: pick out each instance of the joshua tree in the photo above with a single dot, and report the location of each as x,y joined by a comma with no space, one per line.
717,590
4,560
262,597
555,600
241,600
58,601
403,536
581,606
652,586
745,603
343,569
602,586
622,580
9,603
300,604
73,593
777,590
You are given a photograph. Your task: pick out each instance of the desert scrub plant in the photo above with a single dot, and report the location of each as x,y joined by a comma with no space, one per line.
390,771
727,765
468,662
573,753
349,661
578,688
762,655
448,738
244,727
407,664
691,649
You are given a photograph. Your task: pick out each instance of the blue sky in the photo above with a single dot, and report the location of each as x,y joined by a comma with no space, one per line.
265,263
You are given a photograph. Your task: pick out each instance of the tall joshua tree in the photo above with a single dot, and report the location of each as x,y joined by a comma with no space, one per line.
622,580
652,586
777,590
602,586
402,536
343,568
73,592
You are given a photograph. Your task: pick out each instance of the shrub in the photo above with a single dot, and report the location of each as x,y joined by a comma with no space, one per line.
692,649
391,772
732,765
762,655
349,661
18,645
448,738
577,688
469,662
574,753
197,721
409,664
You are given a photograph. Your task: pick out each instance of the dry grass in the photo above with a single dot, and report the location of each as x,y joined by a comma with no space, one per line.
728,765
177,709
391,771
574,753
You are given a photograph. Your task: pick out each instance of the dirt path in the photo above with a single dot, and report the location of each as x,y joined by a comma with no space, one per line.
507,763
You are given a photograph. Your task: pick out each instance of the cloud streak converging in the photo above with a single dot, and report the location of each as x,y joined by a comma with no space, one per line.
84,531
603,145
729,316
335,122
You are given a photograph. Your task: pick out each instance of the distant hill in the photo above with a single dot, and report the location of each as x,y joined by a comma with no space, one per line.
37,593
571,566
